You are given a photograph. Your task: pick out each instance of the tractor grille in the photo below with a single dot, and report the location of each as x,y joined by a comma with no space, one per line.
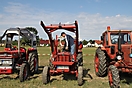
5,55
6,62
63,58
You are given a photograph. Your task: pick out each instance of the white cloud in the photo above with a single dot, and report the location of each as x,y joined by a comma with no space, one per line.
90,25
118,15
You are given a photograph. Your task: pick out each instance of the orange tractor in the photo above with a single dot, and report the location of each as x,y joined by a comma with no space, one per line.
114,56
62,61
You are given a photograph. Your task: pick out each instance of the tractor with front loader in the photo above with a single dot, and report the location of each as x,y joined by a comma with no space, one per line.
17,59
114,56
61,61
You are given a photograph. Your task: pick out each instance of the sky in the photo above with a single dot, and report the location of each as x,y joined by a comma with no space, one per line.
93,16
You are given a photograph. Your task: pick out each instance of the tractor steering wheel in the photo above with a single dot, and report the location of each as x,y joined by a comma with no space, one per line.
114,40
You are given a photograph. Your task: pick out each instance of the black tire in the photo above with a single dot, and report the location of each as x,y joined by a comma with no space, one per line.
100,63
80,75
46,75
80,59
37,64
113,76
24,72
33,62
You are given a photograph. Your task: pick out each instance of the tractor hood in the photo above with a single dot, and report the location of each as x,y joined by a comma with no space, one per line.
7,54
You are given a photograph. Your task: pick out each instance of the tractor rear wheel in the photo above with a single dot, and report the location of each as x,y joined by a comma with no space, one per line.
46,75
80,75
36,65
113,75
33,61
100,63
24,72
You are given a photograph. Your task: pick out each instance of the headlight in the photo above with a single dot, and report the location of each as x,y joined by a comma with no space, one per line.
119,57
130,55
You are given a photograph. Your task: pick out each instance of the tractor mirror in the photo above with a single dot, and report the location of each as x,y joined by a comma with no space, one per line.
37,37
34,43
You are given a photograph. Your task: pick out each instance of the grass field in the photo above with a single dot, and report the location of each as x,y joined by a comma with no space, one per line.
90,79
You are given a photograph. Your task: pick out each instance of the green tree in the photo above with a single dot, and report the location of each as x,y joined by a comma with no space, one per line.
23,41
15,42
93,42
85,42
90,41
34,30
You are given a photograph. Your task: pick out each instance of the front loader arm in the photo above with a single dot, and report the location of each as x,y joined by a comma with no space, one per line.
49,35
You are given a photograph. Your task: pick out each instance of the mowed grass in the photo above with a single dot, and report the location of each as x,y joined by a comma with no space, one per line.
90,79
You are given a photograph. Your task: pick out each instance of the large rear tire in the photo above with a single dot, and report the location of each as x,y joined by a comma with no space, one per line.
100,63
113,76
33,62
80,75
36,64
46,75
24,72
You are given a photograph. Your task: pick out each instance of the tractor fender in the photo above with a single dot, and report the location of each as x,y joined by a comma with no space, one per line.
31,50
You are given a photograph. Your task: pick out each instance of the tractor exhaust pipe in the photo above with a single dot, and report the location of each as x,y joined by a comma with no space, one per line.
119,54
119,41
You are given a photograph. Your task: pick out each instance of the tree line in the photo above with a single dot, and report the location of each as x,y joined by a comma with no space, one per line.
34,30
85,42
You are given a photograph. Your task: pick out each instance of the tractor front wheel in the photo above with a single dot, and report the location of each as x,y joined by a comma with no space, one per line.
46,75
80,59
100,63
24,72
113,75
80,75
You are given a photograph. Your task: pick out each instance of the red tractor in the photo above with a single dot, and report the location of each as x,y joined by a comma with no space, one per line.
19,59
61,61
115,56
